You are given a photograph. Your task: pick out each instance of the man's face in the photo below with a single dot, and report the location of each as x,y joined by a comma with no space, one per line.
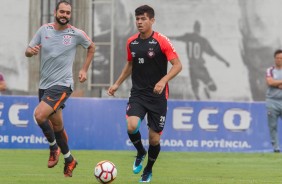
278,60
144,23
63,14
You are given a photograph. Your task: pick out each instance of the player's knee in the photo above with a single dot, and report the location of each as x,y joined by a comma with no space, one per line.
39,118
154,142
132,127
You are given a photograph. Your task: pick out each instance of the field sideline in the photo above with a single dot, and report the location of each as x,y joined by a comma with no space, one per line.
30,167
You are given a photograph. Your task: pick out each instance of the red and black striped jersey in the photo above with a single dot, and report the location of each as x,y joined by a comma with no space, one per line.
150,57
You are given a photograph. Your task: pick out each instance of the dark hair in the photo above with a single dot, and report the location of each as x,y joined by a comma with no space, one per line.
141,10
279,51
60,2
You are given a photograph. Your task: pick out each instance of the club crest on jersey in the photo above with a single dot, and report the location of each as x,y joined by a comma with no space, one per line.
151,53
67,39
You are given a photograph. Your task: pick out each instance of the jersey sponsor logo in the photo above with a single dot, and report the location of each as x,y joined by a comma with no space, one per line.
153,42
71,31
134,42
50,27
67,39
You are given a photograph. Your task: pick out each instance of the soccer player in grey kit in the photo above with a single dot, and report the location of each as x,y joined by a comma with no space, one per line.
274,98
57,44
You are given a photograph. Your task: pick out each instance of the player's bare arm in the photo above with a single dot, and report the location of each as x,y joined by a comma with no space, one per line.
3,86
31,51
82,75
175,69
274,83
124,74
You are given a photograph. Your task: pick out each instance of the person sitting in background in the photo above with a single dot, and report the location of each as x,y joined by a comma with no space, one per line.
3,85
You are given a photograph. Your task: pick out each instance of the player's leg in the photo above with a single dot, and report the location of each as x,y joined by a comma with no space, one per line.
272,118
153,153
62,141
135,113
133,123
41,115
208,81
156,121
194,84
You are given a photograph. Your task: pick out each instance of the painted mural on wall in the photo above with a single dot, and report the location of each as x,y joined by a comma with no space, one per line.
14,36
224,46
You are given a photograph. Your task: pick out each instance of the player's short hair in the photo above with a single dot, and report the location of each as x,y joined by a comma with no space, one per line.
141,10
279,51
60,2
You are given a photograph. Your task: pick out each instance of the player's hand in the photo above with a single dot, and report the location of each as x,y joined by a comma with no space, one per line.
111,91
34,50
280,86
82,76
159,87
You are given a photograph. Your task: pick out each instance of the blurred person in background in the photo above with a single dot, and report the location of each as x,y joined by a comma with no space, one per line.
3,85
57,42
274,98
148,55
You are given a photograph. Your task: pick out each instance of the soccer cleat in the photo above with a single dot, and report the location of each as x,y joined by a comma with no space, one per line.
146,177
69,167
54,157
137,165
276,150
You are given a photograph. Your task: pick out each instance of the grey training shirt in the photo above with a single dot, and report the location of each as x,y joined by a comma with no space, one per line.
58,50
274,92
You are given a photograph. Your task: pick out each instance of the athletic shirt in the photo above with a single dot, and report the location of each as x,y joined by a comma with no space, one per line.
1,79
150,57
58,53
274,92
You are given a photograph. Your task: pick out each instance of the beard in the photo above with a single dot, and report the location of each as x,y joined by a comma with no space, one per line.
62,23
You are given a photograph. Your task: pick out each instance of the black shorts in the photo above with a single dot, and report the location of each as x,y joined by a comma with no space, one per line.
154,108
55,96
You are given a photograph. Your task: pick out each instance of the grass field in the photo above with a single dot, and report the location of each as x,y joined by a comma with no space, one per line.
30,167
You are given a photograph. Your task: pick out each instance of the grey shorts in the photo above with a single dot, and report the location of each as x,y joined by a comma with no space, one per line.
55,96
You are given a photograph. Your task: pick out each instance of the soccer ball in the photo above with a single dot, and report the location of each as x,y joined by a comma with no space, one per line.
105,171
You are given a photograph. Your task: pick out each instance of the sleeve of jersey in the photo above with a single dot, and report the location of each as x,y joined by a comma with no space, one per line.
36,40
83,39
269,72
129,56
167,48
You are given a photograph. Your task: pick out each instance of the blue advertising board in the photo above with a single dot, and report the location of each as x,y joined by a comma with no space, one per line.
96,123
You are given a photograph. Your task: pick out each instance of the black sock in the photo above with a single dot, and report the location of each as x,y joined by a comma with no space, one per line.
136,141
61,141
49,134
153,153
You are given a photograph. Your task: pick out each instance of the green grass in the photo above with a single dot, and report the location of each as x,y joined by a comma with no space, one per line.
30,167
